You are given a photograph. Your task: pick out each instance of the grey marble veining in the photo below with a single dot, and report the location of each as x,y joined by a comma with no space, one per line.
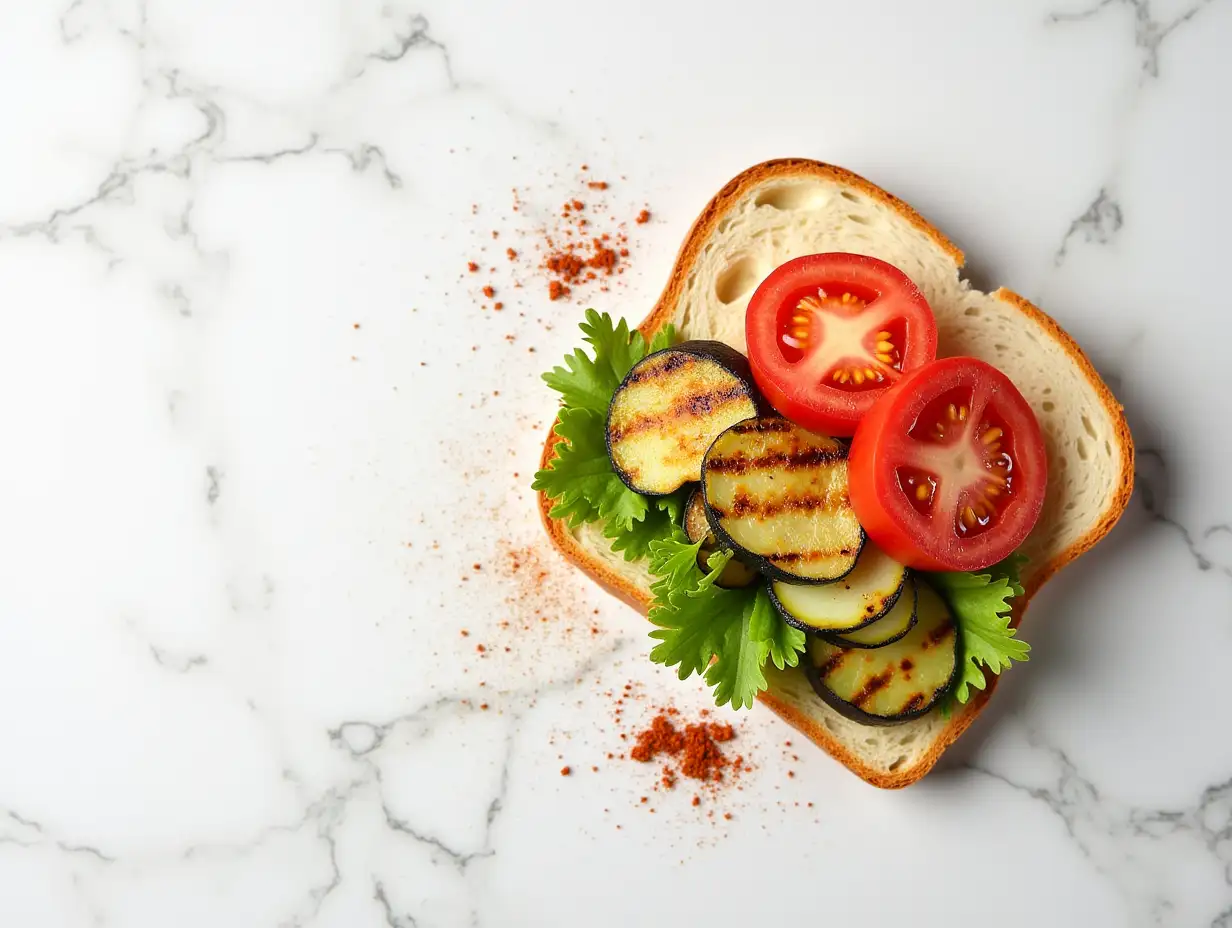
246,377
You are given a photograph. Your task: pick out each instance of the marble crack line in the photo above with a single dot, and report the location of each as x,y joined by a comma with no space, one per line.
325,812
1099,223
69,33
177,664
1077,802
115,181
361,159
1153,505
120,176
361,738
1149,33
416,35
318,894
460,859
38,835
213,484
392,920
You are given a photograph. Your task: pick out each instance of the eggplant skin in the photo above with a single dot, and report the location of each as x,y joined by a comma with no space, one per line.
809,461
736,575
812,629
696,526
700,388
838,639
908,648
856,714
865,596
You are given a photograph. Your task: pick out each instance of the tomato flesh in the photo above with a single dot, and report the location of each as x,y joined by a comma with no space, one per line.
948,470
829,333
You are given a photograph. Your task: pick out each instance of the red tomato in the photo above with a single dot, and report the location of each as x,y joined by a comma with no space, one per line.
828,334
947,471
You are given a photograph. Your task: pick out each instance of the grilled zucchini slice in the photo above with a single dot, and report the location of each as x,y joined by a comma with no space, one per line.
668,410
735,574
889,628
861,598
896,682
777,496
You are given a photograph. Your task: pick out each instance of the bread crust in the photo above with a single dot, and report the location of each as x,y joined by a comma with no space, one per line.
624,590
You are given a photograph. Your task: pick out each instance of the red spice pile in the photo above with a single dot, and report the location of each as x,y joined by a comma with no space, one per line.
694,751
583,245
576,257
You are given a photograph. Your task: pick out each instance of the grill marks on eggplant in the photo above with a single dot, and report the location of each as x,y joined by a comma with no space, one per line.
668,410
869,592
744,504
897,681
778,496
809,457
689,405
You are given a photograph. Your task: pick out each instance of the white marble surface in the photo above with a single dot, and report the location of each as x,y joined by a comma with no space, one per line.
234,690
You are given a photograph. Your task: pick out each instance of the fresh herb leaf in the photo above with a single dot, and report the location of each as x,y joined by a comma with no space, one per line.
673,561
684,606
673,505
783,642
981,603
703,628
587,382
581,480
662,515
737,675
664,338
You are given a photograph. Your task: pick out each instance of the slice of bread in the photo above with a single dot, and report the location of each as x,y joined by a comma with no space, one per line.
781,209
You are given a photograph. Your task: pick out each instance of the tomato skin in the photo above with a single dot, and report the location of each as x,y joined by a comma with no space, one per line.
881,445
816,402
868,485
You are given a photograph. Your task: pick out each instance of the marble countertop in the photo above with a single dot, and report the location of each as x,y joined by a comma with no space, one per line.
269,447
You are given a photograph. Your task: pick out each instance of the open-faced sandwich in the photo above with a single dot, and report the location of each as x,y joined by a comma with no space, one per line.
831,471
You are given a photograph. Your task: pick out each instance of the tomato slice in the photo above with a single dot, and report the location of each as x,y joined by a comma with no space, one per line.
829,333
948,470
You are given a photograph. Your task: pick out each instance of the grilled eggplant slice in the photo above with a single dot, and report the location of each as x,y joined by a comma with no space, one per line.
896,682
668,410
735,574
858,600
777,496
889,628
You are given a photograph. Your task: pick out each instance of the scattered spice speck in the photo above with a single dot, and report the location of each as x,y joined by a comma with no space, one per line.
565,771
